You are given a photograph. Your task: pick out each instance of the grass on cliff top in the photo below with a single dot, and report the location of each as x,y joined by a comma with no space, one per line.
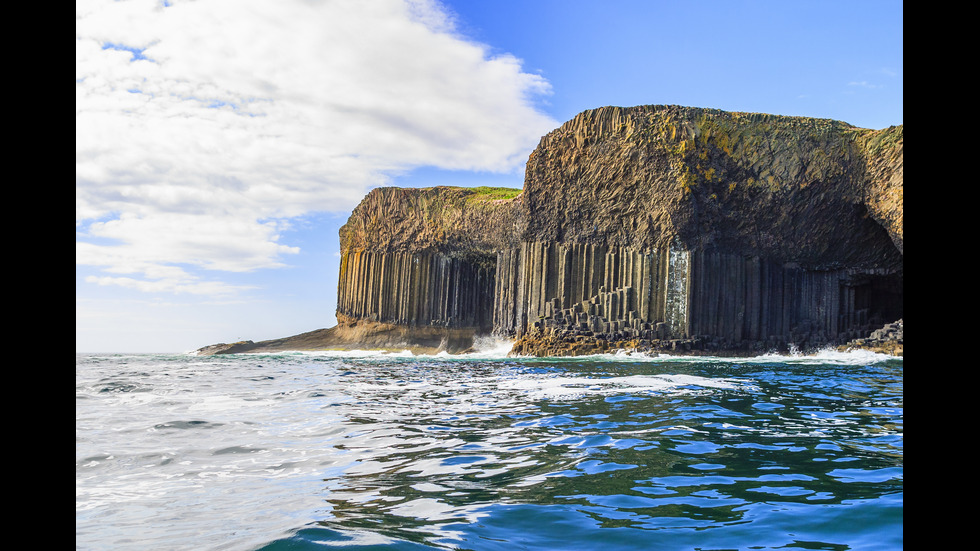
885,138
486,193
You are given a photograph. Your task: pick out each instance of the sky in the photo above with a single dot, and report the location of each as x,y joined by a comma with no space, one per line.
221,144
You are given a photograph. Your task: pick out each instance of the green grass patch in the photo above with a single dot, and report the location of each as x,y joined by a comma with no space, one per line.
486,193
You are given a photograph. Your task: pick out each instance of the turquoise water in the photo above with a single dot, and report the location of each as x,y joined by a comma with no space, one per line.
483,452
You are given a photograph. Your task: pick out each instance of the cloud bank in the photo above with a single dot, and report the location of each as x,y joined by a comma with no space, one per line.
202,127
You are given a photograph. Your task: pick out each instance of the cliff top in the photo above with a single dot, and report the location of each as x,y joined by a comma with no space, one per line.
774,186
752,183
457,221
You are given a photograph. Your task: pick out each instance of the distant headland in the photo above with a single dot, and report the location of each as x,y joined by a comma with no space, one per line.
649,228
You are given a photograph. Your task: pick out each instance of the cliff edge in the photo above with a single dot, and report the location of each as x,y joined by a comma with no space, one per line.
814,191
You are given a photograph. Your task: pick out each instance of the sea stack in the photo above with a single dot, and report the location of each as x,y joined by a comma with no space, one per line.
652,228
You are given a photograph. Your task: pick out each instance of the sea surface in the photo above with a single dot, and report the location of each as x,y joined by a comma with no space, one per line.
362,450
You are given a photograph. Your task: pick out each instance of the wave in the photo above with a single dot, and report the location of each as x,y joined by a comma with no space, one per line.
553,386
828,356
497,348
823,356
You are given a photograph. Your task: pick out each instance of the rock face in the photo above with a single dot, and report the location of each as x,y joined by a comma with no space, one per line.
416,273
426,257
652,227
682,229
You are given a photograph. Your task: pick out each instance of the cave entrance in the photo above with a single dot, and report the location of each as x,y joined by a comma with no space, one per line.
869,301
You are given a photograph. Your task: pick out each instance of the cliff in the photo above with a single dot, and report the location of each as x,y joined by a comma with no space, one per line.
748,184
704,229
650,227
416,273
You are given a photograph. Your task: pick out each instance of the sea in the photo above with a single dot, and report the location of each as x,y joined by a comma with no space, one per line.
365,451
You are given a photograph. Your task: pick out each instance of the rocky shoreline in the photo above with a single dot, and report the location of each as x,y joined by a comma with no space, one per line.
563,342
887,340
538,342
354,334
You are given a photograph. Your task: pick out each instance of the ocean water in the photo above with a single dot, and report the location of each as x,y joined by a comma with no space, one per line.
362,450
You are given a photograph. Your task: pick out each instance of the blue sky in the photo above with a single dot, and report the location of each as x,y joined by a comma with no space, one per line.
221,144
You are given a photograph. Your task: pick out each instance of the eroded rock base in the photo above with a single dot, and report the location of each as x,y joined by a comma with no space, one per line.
547,342
353,334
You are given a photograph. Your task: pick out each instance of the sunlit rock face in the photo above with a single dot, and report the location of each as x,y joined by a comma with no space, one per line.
651,228
702,229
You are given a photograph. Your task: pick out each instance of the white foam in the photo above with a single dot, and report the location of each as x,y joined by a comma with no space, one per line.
824,356
489,348
355,353
496,348
555,387
828,356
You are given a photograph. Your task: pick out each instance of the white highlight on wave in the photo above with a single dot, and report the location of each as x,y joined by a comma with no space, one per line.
450,395
794,356
558,387
498,348
489,347
827,356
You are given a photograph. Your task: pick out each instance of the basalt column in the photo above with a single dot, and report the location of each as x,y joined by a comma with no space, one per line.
722,300
416,289
591,288
740,301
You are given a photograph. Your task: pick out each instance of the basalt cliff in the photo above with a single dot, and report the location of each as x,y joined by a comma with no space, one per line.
643,228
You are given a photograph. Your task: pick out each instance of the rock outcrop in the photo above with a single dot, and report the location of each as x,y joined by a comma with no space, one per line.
651,228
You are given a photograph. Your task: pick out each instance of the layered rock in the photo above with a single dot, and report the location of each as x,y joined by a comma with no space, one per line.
651,227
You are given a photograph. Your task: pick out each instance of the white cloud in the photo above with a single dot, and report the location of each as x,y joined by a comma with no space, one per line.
863,84
202,126
169,285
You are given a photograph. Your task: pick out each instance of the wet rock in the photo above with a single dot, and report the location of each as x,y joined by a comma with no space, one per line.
889,339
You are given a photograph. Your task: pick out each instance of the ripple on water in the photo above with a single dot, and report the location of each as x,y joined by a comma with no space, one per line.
305,451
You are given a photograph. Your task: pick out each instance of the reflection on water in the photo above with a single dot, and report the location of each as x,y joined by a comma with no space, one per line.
637,451
493,453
